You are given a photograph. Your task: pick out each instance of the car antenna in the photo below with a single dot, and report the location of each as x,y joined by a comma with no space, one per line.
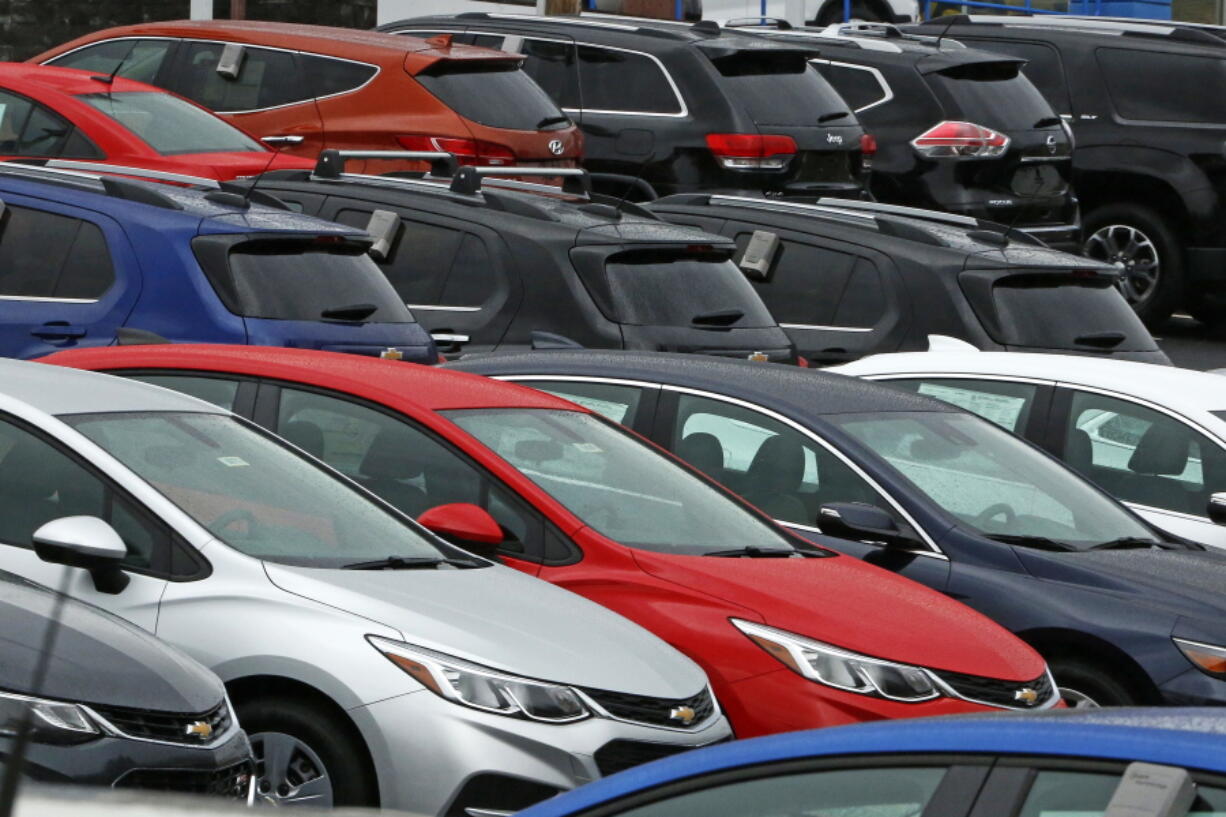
633,184
109,79
953,18
243,199
15,761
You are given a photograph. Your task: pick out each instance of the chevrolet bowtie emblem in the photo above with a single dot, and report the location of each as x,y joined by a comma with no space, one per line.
391,353
1026,695
684,714
199,729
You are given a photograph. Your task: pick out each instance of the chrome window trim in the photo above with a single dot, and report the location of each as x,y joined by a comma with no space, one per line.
36,299
877,75
1031,381
935,551
59,57
441,308
826,328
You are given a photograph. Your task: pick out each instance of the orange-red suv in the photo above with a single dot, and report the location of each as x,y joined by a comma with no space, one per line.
306,88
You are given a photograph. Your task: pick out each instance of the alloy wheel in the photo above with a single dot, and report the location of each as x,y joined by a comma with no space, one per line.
1133,253
1075,699
289,772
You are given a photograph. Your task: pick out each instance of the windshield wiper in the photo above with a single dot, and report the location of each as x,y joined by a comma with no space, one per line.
352,312
551,120
1047,122
1127,543
830,117
1038,542
722,317
411,563
753,552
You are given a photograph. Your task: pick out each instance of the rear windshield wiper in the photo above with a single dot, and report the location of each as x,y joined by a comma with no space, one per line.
412,563
1127,543
352,312
552,120
753,552
1047,122
1037,542
1101,340
830,117
723,317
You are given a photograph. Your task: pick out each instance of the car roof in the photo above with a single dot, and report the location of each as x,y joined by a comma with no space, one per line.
1186,389
68,81
1180,737
409,386
872,39
56,392
1082,29
787,389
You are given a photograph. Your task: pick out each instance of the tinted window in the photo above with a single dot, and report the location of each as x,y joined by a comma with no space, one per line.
1143,456
400,463
326,76
772,465
139,60
996,95
1141,85
1057,793
817,286
213,390
552,66
46,255
30,129
1006,404
621,81
1043,67
781,89
265,79
857,85
889,792
171,125
619,403
287,280
497,94
1053,314
662,289
472,277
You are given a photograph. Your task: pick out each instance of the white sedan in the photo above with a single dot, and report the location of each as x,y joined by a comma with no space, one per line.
1154,436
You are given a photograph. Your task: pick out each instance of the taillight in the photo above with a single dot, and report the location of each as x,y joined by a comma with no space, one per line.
868,149
960,140
466,151
751,151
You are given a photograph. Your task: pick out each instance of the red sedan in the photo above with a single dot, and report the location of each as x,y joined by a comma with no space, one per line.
61,113
792,636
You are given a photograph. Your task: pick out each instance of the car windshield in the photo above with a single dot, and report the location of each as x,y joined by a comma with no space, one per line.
493,93
994,94
171,125
617,485
254,492
1050,313
991,481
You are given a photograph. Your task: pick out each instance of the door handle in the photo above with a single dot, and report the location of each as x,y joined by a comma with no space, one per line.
58,330
449,337
283,140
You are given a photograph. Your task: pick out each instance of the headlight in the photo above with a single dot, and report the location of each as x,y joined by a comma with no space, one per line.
482,688
841,669
1207,658
50,721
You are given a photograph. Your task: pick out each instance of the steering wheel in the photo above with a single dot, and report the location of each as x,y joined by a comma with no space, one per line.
229,518
992,511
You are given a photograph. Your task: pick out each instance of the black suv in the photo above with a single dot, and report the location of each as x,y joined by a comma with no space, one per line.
957,129
683,107
492,264
851,278
1145,104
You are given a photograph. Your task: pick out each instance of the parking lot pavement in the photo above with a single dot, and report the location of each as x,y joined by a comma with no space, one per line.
1191,344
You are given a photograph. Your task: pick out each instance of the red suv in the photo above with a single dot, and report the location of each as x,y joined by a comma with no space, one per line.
56,113
306,88
792,636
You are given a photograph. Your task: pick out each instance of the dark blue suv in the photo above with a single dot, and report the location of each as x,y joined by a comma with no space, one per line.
84,259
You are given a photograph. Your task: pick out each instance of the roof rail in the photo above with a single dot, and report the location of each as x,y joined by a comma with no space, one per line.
783,204
137,172
776,23
900,210
331,164
467,180
95,183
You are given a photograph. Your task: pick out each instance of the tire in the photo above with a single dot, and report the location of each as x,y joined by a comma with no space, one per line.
832,13
1146,249
323,765
1086,686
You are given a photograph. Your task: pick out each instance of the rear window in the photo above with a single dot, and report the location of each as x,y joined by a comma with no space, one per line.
171,125
782,89
305,281
1144,85
666,289
1079,314
494,94
993,94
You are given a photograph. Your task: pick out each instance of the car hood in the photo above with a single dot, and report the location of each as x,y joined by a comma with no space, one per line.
98,658
501,618
1187,582
847,603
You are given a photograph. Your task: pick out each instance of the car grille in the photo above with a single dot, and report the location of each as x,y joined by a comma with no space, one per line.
619,755
231,782
1000,693
170,727
655,711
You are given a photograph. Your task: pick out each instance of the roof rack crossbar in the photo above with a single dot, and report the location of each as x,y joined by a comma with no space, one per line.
467,181
137,172
331,164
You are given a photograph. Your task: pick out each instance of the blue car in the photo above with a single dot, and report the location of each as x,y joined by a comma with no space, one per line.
1062,764
85,260
1123,613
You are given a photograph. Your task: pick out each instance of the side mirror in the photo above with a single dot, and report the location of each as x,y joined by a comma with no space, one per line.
1217,509
466,525
862,522
86,542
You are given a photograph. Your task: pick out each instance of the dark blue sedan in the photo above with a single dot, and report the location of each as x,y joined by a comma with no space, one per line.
1059,765
1123,613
